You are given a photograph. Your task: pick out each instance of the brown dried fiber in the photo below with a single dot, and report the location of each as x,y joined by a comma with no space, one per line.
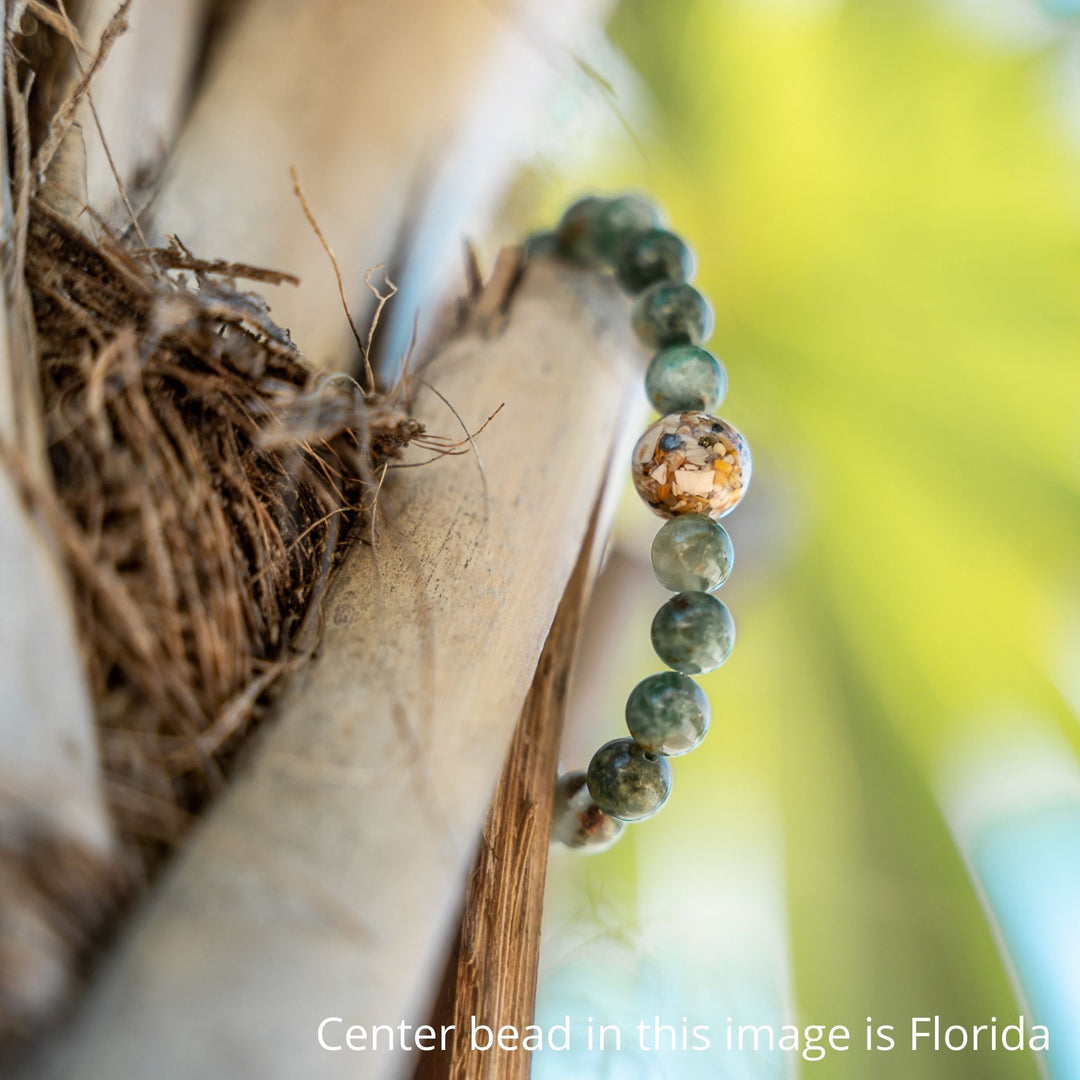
205,477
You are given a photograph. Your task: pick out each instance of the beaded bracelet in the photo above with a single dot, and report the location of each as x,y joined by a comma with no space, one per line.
690,467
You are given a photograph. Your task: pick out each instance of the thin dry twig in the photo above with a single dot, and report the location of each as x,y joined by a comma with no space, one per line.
179,258
57,21
469,438
71,34
65,115
446,449
310,215
381,300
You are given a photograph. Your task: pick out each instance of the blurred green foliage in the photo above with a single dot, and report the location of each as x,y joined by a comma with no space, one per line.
886,210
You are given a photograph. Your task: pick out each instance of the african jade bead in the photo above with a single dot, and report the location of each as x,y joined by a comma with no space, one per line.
685,378
627,782
693,633
619,223
576,819
654,255
691,463
692,553
667,714
671,313
576,231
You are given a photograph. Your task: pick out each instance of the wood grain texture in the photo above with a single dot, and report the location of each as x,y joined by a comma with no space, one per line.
493,967
328,878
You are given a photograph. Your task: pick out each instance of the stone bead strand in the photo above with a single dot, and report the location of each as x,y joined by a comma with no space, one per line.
690,467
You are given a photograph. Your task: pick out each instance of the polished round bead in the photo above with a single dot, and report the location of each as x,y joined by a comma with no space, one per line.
667,714
576,819
692,553
691,463
620,222
627,782
693,633
685,378
655,255
576,231
672,313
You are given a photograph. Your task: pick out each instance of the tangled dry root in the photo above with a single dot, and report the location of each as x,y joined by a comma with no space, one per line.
206,478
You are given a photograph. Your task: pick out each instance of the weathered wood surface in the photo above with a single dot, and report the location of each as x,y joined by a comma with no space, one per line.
493,966
327,880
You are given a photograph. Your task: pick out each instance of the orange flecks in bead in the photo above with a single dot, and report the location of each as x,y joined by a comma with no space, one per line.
691,463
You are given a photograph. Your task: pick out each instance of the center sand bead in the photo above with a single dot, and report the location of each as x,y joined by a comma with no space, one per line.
691,463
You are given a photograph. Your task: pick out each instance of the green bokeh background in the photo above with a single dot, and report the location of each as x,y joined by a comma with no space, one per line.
885,203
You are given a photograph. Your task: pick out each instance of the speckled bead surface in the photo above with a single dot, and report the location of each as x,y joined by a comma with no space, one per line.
621,221
685,378
654,255
576,819
692,553
672,313
693,633
576,231
627,782
667,714
691,463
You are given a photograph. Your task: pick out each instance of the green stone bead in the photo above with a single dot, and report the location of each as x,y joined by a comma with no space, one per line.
672,313
667,714
627,782
691,463
620,223
656,255
685,378
576,230
577,821
692,553
693,633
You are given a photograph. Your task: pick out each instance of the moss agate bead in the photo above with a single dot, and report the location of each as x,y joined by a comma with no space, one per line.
685,378
667,714
692,553
627,782
672,313
619,223
691,463
693,633
576,231
577,821
655,255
